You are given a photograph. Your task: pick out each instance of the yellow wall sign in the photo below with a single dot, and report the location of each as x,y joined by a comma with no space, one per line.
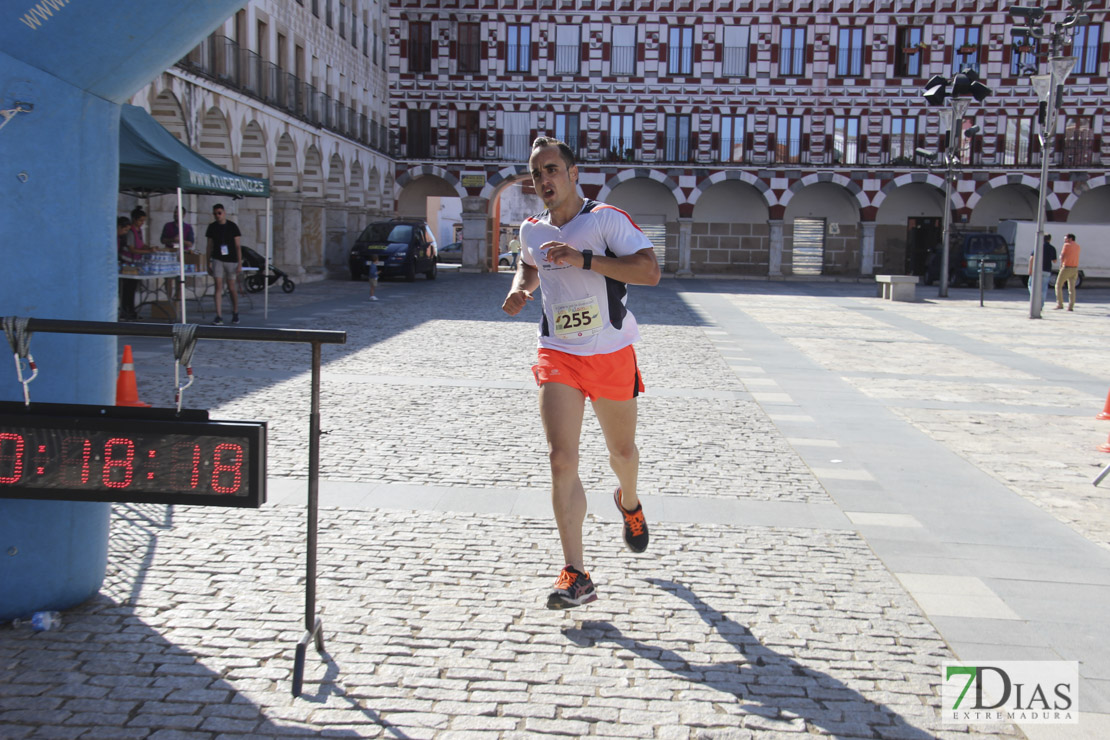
473,181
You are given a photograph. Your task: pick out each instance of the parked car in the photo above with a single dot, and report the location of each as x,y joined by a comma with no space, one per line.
968,250
450,253
505,259
404,247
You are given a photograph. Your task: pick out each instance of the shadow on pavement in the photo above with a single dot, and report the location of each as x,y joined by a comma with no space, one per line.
146,657
823,701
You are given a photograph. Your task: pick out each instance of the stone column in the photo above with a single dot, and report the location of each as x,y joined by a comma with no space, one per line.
774,256
287,234
867,248
475,226
685,226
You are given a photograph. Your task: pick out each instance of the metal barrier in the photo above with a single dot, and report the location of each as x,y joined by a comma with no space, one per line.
313,624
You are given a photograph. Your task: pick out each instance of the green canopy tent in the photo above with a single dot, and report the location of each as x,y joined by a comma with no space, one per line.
154,162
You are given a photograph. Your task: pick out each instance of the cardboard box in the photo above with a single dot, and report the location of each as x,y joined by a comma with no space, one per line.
197,259
163,310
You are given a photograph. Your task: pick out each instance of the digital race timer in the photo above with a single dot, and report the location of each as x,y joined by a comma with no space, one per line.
109,453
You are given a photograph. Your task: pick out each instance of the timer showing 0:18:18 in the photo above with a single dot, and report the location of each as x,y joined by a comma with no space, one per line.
179,463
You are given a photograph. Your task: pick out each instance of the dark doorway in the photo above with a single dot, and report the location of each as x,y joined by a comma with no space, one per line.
922,237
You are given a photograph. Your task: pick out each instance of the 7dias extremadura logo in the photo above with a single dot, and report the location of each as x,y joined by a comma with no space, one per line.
1010,691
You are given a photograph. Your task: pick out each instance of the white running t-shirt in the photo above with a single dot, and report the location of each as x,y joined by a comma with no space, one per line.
583,312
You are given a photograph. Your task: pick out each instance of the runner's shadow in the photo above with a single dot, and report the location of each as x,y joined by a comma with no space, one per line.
767,683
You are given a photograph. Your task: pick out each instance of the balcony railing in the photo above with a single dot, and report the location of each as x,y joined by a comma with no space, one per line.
622,60
735,61
567,59
221,59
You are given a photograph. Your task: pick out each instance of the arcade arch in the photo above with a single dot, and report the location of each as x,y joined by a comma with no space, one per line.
413,200
1018,202
253,160
730,231
336,191
1092,206
312,176
821,230
654,208
166,110
908,226
286,177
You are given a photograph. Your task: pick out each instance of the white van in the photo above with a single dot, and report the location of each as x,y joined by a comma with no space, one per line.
1093,240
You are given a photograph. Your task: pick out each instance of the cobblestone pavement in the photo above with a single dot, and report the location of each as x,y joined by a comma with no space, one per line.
433,622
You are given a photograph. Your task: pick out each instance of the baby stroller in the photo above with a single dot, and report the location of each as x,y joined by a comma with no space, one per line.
255,282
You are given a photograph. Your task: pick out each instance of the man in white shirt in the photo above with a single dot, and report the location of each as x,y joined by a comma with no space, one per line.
582,254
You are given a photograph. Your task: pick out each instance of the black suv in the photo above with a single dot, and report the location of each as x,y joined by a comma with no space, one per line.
403,247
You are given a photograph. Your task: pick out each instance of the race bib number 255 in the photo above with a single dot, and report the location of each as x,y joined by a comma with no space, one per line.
577,319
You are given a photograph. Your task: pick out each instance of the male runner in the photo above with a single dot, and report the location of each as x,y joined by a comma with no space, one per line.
582,254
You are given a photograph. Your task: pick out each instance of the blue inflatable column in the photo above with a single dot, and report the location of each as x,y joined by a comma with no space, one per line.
70,65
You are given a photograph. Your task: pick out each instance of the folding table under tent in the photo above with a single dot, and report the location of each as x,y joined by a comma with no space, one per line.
152,161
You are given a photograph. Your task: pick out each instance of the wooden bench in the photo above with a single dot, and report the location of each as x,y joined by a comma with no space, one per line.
896,287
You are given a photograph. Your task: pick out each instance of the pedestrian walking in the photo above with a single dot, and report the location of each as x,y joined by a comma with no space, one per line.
373,277
514,250
582,254
1048,258
1069,272
225,260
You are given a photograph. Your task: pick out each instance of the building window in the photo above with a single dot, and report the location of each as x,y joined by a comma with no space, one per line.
788,139
470,48
365,40
735,61
342,20
518,49
622,58
466,133
792,52
316,8
1018,145
515,133
1084,46
903,138
680,51
967,50
620,137
849,52
732,138
327,13
676,144
567,50
1023,57
908,53
420,46
566,130
1078,142
419,132
845,141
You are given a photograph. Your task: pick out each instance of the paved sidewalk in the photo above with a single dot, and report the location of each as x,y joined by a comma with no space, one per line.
844,493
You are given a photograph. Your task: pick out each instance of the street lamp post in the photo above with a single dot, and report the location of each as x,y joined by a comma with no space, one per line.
959,108
1049,90
1046,86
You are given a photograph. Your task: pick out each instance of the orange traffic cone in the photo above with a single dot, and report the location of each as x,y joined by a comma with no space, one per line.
1105,447
1105,413
127,391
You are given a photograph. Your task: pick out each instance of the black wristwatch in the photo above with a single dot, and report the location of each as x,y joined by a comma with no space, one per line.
587,258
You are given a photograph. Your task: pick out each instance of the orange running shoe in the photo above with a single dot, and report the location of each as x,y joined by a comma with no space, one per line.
572,588
635,528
